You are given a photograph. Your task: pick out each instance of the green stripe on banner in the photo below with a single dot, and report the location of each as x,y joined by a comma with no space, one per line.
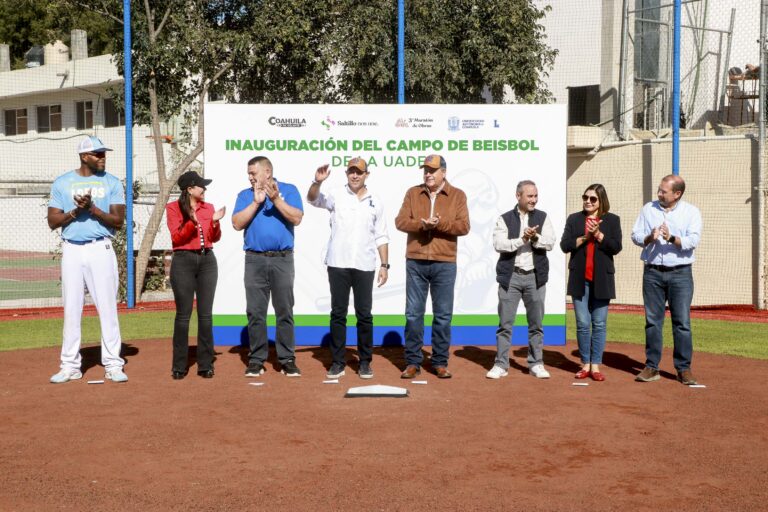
385,320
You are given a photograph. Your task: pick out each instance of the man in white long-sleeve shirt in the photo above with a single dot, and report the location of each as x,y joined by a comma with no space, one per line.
358,232
668,230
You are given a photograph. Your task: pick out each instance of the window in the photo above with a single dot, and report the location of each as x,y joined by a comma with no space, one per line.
49,118
16,121
647,39
112,116
84,110
584,105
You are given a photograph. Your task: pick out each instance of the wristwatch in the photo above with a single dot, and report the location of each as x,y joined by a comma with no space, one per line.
385,265
671,239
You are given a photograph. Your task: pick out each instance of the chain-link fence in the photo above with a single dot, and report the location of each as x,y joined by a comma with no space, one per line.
612,67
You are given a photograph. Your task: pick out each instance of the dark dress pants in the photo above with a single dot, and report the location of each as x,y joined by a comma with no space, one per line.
265,276
342,280
193,274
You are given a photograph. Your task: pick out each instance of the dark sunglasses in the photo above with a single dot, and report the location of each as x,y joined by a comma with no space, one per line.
357,172
97,154
591,199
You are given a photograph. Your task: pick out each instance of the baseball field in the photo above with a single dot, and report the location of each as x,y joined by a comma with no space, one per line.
467,443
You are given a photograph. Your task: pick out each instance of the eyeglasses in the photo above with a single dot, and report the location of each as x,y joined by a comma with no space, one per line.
97,154
591,199
356,172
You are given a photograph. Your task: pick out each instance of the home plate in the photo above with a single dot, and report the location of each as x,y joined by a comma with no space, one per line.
377,390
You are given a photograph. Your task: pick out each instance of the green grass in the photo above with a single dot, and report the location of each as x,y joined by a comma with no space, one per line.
743,339
36,333
14,290
714,336
29,262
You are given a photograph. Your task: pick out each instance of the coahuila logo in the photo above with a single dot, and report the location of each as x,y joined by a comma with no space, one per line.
453,124
287,122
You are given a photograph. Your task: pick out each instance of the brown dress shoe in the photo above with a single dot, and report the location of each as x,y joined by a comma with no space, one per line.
442,372
686,377
410,372
648,375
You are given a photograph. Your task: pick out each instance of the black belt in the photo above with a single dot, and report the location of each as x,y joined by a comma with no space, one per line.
271,254
520,271
196,251
85,242
662,268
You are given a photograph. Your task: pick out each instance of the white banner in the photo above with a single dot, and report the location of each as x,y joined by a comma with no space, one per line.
488,150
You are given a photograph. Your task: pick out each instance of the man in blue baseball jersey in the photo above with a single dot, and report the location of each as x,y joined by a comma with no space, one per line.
267,212
88,204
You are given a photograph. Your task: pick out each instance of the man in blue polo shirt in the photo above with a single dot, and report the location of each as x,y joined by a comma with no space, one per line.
268,212
88,204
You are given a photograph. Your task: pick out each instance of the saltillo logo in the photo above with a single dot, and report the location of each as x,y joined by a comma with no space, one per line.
287,122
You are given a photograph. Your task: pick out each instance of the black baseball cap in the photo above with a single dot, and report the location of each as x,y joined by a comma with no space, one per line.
192,179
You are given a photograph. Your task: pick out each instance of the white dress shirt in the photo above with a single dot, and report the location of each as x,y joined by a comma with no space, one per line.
524,258
683,221
358,228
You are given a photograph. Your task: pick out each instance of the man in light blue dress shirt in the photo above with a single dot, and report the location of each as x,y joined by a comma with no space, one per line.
669,231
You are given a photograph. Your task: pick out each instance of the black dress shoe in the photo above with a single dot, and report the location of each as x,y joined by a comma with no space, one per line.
206,374
178,375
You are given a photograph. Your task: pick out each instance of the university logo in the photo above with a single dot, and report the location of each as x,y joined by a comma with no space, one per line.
453,124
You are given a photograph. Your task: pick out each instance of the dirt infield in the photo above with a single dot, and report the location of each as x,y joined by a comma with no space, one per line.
462,444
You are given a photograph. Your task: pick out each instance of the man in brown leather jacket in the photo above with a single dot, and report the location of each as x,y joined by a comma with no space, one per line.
434,214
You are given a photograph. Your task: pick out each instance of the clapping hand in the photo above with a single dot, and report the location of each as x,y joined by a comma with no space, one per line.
593,228
219,214
430,223
664,231
258,193
530,233
84,202
270,188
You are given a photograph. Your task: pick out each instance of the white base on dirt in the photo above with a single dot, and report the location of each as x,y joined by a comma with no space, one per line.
377,390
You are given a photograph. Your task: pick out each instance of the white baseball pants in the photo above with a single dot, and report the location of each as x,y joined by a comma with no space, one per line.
94,265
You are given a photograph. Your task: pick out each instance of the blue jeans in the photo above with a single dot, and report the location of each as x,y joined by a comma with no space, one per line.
676,288
437,278
591,316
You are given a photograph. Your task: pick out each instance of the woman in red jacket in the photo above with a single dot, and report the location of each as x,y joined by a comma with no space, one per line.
592,237
194,227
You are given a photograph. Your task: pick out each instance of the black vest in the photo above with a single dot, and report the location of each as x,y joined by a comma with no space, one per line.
506,263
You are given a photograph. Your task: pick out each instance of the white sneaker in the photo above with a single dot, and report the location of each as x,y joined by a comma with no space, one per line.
116,375
66,376
496,372
539,372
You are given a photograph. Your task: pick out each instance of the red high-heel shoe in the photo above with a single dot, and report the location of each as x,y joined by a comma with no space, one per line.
582,374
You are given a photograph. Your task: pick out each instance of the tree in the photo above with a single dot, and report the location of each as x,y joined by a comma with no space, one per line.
180,49
310,51
25,23
454,51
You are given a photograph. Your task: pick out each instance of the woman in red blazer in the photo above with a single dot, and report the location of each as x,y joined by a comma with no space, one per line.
194,227
592,237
